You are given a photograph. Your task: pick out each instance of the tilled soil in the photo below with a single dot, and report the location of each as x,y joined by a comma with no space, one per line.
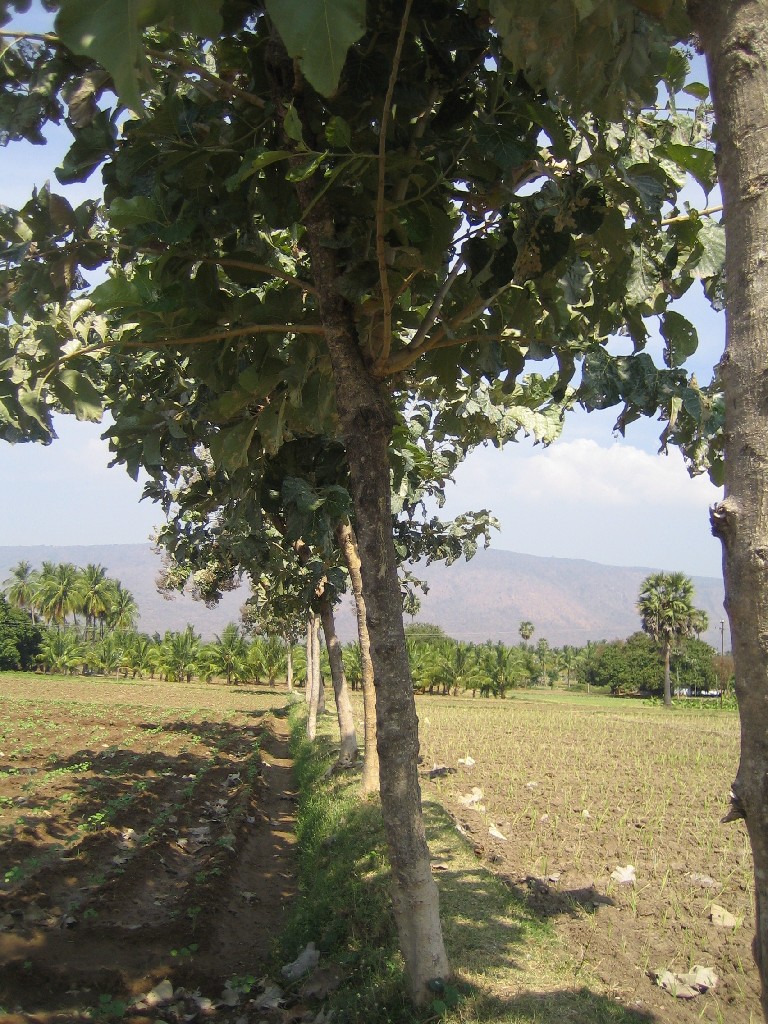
558,799
139,847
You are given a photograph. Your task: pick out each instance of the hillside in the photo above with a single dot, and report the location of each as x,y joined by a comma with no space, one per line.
568,600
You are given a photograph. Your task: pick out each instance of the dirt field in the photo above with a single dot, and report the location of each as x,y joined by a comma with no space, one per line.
146,834
577,791
146,831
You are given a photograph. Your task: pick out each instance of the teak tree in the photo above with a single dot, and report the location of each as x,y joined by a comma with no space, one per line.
304,246
734,37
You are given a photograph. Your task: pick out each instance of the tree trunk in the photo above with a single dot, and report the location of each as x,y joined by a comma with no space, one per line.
366,422
313,674
348,739
734,34
289,665
310,656
369,782
667,678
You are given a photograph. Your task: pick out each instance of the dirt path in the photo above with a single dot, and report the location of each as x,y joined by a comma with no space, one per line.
188,880
264,873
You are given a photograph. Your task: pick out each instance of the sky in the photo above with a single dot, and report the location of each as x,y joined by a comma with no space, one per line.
590,495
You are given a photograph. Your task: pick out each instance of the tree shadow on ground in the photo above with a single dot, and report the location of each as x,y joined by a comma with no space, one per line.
542,899
118,853
579,1006
499,930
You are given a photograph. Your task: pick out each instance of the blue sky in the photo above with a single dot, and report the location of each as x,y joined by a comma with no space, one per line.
590,495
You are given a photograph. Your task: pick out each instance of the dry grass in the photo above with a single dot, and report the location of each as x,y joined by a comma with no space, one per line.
579,788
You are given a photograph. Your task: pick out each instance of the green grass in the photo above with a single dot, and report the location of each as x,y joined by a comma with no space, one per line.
509,966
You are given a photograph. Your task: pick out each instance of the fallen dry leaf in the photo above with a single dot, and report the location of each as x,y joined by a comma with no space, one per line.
721,917
269,999
687,986
305,962
625,875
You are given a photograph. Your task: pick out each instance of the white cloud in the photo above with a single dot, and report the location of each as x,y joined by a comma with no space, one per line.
617,476
614,503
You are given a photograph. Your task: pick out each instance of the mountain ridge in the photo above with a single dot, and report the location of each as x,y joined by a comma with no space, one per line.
569,600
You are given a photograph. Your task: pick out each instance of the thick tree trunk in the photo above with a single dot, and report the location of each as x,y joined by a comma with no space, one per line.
348,739
366,420
414,891
667,678
369,782
734,34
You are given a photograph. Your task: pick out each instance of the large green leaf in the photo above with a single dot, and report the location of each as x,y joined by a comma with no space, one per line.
110,31
597,55
681,338
700,163
229,447
712,239
319,33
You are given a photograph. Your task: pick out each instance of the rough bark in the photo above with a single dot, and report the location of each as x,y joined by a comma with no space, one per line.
348,739
313,674
366,421
369,782
734,35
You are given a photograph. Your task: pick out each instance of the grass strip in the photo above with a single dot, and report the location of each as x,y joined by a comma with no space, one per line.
509,966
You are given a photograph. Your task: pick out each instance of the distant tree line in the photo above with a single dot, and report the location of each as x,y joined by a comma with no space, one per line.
66,619
61,593
176,656
442,665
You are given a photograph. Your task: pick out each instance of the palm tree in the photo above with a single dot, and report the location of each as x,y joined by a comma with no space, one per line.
503,668
526,630
142,654
61,650
56,594
20,588
667,614
454,664
179,655
122,610
353,664
112,653
228,654
569,660
94,591
268,657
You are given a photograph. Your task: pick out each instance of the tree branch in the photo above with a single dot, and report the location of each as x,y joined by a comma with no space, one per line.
381,248
262,268
190,65
405,357
687,216
416,343
236,332
224,261
38,37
